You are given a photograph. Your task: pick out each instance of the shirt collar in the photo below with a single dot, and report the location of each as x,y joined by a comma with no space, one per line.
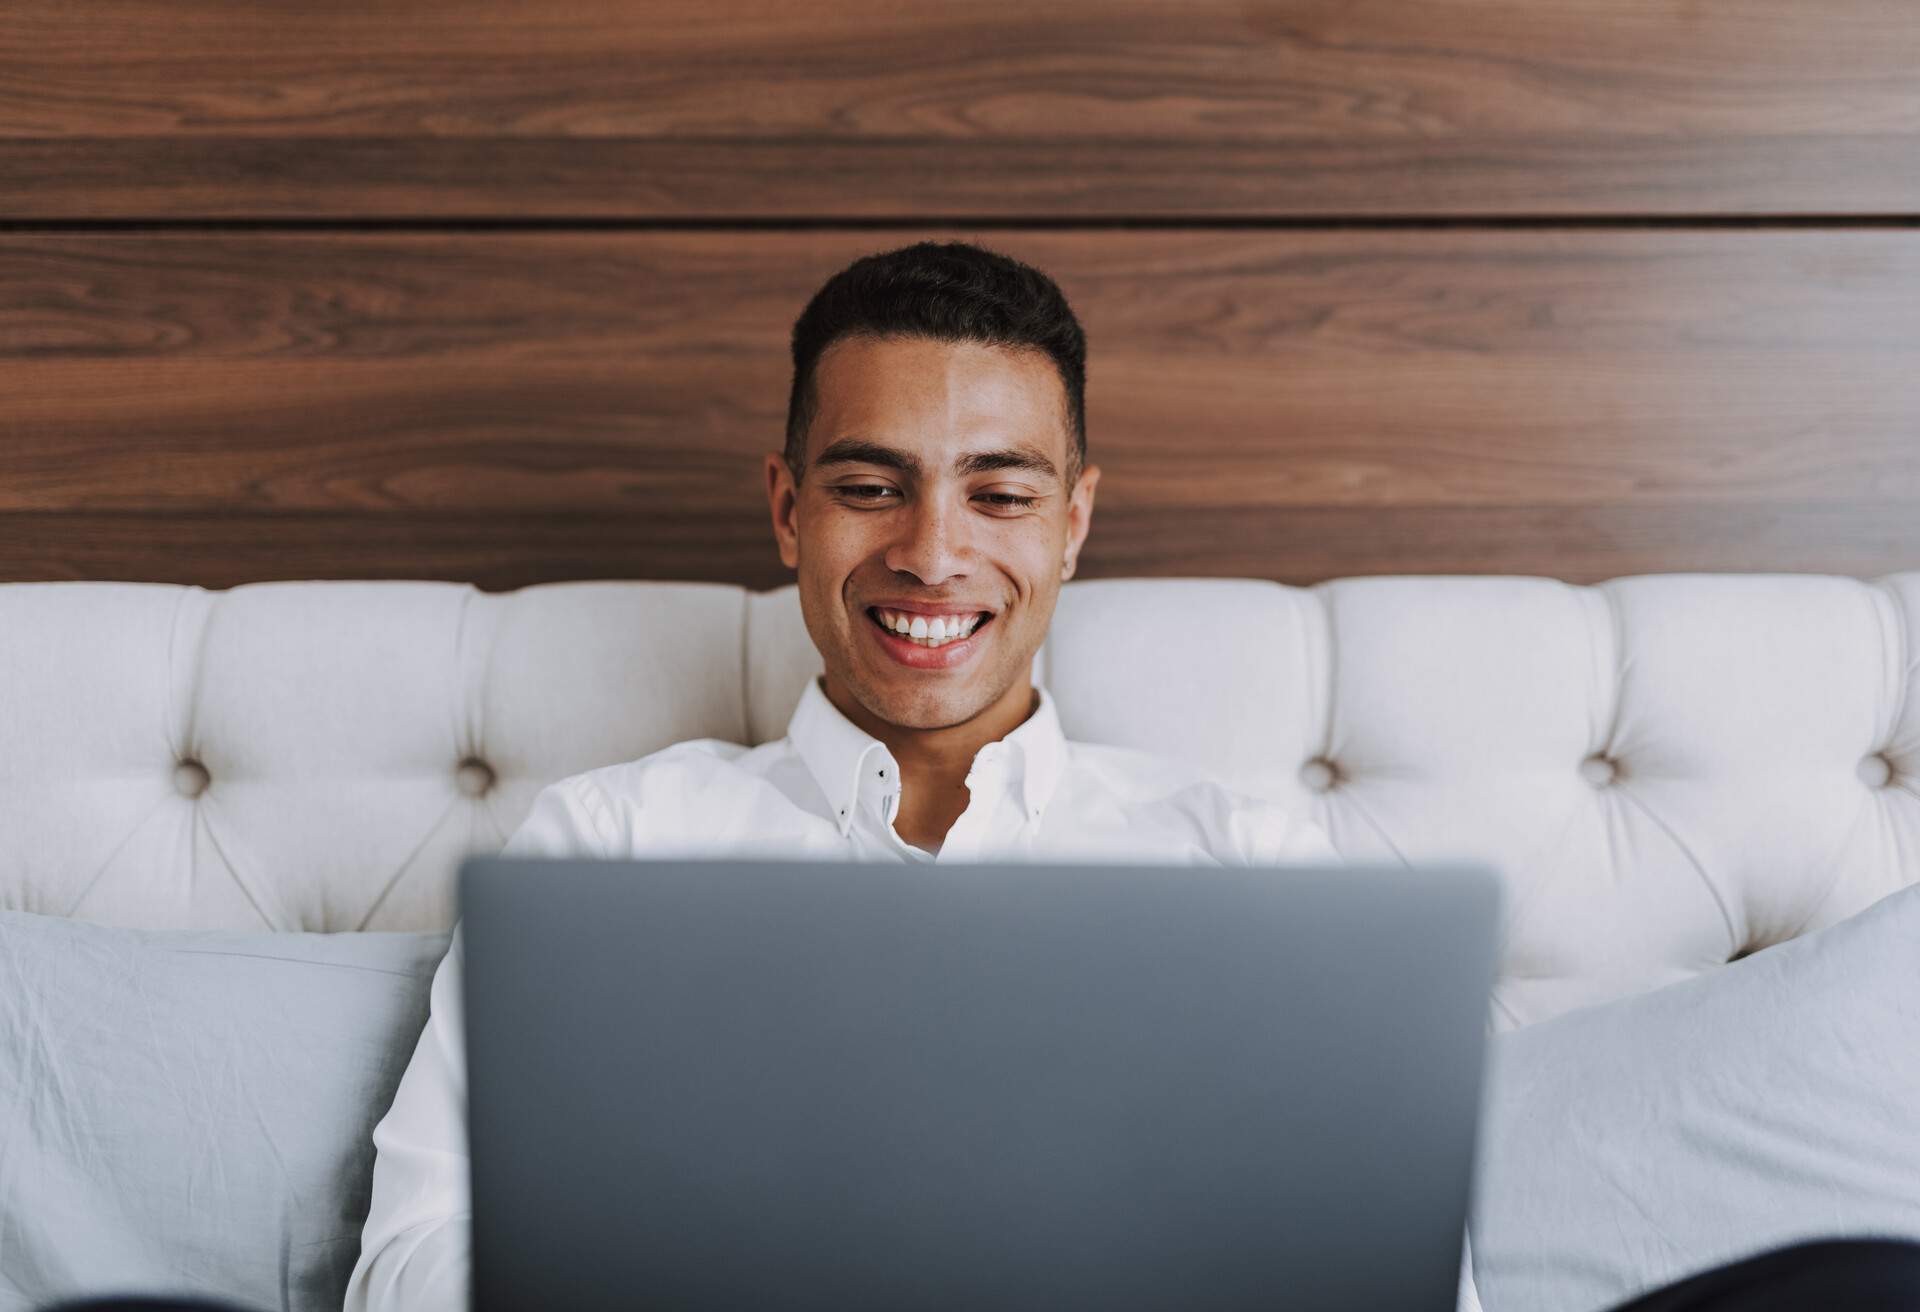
838,752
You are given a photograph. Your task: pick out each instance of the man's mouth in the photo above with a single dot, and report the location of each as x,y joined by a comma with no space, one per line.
928,630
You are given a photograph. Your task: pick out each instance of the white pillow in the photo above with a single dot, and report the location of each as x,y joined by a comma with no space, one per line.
1775,1099
192,1111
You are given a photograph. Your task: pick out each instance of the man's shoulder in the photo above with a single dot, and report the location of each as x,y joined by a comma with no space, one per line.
1232,822
696,763
1148,775
666,799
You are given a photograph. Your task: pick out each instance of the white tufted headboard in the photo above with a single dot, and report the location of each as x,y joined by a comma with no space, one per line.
1670,769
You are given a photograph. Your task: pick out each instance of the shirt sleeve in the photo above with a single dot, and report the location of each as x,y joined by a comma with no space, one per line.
415,1249
1469,1300
1262,832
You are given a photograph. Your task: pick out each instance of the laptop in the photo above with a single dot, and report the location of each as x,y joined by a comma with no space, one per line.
756,1085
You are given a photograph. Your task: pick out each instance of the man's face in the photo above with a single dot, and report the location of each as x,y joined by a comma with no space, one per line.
934,489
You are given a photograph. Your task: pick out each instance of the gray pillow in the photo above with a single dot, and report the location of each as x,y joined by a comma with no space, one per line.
192,1111
1775,1099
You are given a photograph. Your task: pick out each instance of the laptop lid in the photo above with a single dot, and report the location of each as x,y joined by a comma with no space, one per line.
732,1084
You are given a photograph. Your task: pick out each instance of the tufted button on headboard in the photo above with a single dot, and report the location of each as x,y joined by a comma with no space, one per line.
190,778
1670,770
1599,771
1875,770
473,777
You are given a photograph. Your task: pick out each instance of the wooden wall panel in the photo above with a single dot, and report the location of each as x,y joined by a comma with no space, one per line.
693,110
514,407
487,290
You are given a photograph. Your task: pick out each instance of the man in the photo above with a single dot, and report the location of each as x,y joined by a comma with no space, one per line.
932,496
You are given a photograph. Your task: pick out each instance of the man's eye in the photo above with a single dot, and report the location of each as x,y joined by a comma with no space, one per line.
865,491
1008,500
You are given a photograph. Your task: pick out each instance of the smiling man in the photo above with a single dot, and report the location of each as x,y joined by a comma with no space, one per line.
932,524
931,534
932,496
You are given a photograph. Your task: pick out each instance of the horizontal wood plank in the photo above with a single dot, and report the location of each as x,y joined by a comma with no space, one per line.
713,109
1268,404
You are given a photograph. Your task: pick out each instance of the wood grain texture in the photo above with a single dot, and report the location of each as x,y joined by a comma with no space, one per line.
1078,109
515,407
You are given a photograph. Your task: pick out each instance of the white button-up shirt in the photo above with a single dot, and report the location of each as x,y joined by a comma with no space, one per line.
830,790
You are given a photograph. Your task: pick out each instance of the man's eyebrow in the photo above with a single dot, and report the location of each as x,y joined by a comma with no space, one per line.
855,451
858,451
1018,457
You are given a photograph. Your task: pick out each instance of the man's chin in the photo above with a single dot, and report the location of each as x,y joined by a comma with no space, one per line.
926,709
897,700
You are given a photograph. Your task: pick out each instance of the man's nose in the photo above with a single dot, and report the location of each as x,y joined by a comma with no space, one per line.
933,545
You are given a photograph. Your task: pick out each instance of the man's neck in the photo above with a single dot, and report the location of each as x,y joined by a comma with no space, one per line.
934,762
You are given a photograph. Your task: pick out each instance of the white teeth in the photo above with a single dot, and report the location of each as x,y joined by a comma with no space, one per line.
925,632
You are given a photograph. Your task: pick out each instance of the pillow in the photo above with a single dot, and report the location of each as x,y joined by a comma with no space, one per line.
1776,1099
192,1111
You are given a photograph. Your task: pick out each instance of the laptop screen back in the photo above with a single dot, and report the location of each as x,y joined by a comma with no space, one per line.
727,1084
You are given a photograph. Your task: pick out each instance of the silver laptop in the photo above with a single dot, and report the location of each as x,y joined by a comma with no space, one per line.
744,1085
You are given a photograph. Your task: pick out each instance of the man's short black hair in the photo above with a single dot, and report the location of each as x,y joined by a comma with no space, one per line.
949,291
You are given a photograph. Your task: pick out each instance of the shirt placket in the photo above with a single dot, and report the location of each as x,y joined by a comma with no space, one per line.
880,786
973,833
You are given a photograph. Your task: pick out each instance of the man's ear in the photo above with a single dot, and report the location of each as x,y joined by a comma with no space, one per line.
1079,518
783,500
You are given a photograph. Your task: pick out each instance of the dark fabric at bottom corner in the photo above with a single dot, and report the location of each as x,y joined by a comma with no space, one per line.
1827,1275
